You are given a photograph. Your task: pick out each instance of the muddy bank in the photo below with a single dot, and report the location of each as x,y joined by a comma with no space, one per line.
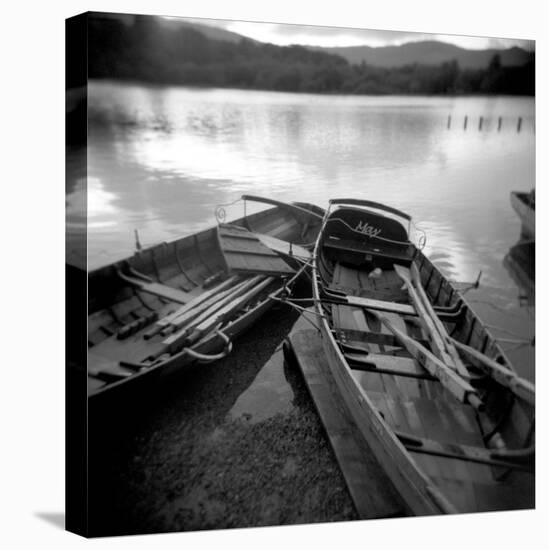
236,443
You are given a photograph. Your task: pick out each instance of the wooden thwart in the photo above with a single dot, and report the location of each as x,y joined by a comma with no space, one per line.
381,305
468,453
335,296
388,364
351,337
157,289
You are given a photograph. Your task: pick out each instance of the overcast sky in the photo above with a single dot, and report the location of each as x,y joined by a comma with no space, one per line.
284,35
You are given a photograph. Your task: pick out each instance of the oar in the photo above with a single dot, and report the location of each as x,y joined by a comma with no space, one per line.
177,338
450,348
506,377
429,323
223,314
207,307
454,383
434,327
192,304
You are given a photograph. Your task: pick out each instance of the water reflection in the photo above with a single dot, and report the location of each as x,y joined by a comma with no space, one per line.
162,158
268,395
75,207
520,263
165,157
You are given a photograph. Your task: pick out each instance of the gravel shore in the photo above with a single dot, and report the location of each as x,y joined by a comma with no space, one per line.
236,443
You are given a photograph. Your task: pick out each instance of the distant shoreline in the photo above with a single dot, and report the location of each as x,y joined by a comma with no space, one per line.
149,84
148,51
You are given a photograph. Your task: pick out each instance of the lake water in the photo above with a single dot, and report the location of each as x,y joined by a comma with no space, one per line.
161,158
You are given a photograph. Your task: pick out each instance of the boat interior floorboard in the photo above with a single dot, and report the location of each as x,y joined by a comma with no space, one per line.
387,286
420,407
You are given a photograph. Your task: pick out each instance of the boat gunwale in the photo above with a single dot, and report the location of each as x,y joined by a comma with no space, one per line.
524,210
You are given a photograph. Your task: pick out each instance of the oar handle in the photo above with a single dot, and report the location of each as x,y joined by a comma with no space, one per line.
475,402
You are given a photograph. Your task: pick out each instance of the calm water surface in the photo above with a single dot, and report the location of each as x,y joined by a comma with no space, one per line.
161,158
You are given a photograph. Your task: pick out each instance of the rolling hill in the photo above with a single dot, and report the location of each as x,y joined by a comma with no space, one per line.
168,51
429,53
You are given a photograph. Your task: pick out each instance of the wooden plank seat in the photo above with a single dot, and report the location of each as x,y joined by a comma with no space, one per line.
388,364
381,305
386,306
469,453
354,337
146,284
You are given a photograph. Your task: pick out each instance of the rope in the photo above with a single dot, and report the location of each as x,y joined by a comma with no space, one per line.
464,291
301,310
518,346
518,339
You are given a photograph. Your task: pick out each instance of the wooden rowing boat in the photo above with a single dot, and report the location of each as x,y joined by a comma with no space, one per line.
432,393
525,206
177,303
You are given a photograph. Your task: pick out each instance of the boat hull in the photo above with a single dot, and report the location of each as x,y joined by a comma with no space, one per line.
527,214
383,405
160,280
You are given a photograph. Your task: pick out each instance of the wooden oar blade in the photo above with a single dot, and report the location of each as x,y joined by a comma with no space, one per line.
434,327
456,385
504,376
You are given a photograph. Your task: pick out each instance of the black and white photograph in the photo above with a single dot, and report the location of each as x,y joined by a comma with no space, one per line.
300,266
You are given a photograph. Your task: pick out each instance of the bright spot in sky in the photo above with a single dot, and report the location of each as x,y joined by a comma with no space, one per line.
286,34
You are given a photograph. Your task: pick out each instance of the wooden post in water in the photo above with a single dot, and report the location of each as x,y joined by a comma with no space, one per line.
480,124
449,122
499,124
465,123
519,123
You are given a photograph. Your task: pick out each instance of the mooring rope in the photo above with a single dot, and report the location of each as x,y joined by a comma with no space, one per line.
301,309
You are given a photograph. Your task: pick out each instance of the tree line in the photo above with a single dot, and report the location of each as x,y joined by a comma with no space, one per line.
149,52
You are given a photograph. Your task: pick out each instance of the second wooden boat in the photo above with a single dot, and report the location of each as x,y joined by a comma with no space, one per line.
431,391
178,303
524,204
520,262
